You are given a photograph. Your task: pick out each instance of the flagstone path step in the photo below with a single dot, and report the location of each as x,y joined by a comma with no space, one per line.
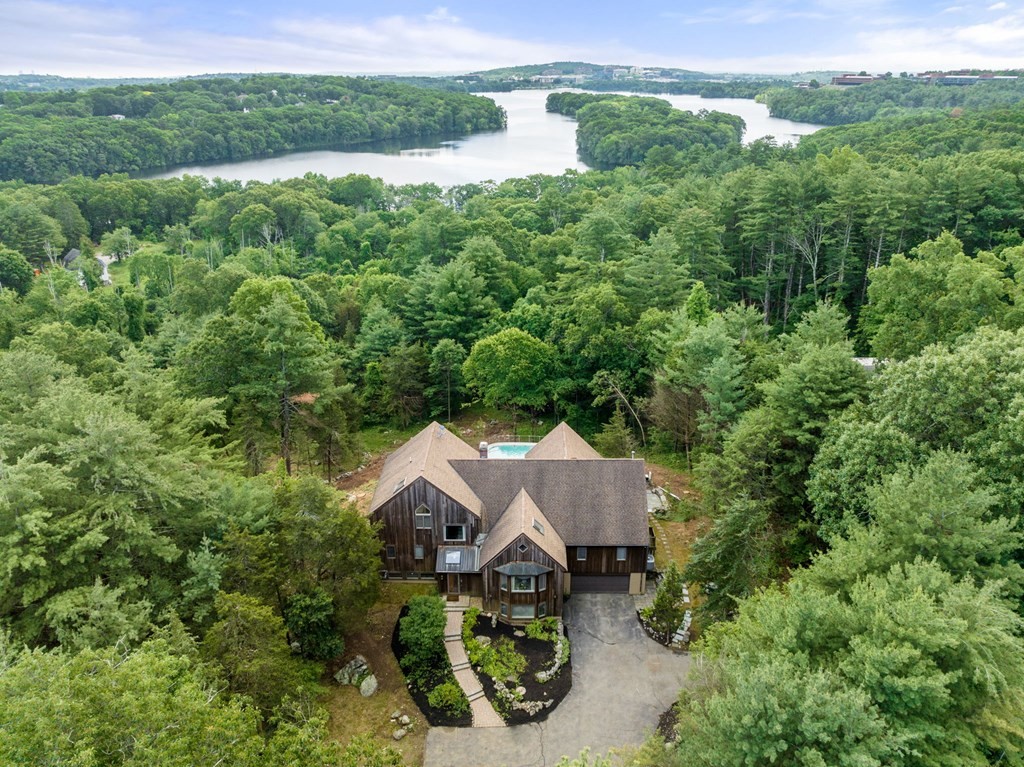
484,714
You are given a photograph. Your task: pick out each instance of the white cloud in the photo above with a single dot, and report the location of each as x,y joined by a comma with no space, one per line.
999,6
57,38
442,14
65,38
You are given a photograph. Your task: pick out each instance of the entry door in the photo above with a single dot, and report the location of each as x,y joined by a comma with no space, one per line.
454,583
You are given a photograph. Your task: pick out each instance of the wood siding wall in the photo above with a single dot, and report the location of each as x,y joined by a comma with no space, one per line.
492,578
601,561
398,516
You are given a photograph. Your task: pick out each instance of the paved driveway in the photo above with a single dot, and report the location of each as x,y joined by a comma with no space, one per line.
622,681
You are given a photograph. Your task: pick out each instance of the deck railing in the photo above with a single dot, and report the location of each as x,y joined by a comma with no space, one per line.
515,438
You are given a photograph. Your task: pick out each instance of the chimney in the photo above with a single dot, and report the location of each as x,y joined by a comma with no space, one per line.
483,449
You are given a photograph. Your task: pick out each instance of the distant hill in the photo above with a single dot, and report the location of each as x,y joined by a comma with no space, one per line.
568,68
48,83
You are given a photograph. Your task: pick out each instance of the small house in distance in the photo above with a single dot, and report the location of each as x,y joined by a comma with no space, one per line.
521,533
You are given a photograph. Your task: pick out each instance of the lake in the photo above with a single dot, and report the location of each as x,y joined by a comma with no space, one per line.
536,141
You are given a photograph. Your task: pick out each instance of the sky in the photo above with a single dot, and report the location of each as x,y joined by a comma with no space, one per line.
133,38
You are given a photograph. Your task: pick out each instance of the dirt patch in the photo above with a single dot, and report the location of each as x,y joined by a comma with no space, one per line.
360,483
678,482
350,714
539,655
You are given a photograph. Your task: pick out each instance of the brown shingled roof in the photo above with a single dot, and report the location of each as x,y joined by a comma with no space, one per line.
427,455
519,518
562,442
597,502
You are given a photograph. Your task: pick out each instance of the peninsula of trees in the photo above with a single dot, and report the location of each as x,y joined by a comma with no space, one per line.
887,98
619,130
47,137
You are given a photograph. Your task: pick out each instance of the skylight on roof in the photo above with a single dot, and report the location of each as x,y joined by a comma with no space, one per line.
453,557
400,484
538,526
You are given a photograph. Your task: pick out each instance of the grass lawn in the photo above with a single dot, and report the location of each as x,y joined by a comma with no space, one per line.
350,713
119,274
676,531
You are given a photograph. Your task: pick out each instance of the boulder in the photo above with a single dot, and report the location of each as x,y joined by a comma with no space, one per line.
399,733
396,715
483,641
353,672
404,720
368,686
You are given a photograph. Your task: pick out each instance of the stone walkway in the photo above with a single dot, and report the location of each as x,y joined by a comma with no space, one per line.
484,714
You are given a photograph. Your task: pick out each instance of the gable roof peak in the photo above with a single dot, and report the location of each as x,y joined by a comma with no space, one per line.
562,443
522,516
427,455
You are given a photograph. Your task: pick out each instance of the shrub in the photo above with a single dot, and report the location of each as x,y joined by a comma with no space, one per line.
469,620
422,635
664,616
543,628
309,617
449,697
501,661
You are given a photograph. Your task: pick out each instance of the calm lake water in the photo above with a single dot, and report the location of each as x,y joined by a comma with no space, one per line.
535,141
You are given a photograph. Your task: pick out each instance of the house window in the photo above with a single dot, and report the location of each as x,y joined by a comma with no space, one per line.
620,553
542,609
522,583
455,532
504,582
581,553
423,518
542,582
504,609
390,550
522,611
523,548
418,551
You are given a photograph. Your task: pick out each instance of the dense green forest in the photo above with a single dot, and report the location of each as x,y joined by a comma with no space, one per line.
45,138
924,134
732,89
620,130
171,551
887,98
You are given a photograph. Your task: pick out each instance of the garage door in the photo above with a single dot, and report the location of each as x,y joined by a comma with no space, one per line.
585,584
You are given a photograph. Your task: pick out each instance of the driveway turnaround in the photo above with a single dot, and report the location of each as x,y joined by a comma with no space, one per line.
622,682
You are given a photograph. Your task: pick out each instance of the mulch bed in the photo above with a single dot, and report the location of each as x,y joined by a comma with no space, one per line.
660,638
435,716
539,656
667,723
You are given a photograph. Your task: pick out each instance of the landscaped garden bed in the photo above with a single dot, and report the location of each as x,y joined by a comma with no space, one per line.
667,620
526,671
418,643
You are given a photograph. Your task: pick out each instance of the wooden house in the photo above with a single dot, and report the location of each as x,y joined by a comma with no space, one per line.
519,533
